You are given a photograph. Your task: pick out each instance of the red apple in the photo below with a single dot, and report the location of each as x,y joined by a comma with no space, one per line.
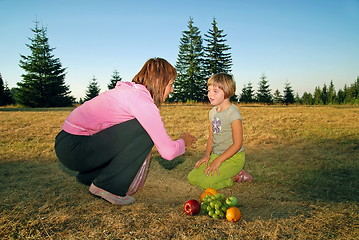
192,207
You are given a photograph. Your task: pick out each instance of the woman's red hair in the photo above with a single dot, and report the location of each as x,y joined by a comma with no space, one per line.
155,75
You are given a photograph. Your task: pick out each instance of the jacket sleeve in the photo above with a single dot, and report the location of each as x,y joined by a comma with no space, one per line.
148,115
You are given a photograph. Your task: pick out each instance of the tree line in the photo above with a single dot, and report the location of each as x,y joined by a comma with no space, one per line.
326,95
43,83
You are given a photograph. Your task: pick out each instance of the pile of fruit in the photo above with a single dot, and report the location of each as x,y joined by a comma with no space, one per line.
215,205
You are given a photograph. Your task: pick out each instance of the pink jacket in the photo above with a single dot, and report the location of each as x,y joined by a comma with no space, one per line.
126,101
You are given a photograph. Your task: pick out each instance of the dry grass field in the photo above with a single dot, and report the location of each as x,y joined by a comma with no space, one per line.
305,161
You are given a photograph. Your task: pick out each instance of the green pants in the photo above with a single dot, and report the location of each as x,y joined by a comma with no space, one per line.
227,170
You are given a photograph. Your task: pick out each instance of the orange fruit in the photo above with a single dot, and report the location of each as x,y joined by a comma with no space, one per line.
204,194
233,214
211,190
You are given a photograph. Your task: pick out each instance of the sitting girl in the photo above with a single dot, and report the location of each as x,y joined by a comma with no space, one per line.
224,159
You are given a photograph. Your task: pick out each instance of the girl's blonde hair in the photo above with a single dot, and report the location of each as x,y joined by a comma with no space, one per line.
225,82
155,75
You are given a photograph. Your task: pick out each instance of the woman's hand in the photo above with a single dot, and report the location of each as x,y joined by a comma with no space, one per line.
188,139
213,167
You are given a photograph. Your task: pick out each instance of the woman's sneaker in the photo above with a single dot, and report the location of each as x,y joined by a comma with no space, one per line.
112,198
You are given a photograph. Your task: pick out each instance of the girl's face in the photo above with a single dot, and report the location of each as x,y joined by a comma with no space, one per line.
215,95
168,89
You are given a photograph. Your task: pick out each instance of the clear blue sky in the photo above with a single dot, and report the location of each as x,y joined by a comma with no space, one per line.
305,42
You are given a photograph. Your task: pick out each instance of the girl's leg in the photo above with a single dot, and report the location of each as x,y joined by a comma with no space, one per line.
227,170
195,175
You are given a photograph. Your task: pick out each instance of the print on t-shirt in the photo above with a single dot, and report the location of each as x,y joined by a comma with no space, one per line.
216,125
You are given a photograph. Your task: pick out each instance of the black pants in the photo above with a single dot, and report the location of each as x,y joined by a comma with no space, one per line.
110,159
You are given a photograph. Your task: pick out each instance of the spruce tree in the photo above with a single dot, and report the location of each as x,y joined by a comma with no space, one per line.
217,57
114,79
297,99
264,92
348,94
190,84
43,84
352,93
2,95
247,95
307,98
355,87
7,97
341,96
288,96
277,97
324,95
93,89
332,96
317,96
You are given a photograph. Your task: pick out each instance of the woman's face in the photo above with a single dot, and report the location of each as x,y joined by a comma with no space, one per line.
168,89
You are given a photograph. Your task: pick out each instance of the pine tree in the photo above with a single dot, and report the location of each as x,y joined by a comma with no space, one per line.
264,92
43,83
217,58
190,84
2,95
93,89
277,97
115,78
8,97
324,95
352,93
332,96
355,91
307,99
341,95
317,96
247,95
297,99
288,97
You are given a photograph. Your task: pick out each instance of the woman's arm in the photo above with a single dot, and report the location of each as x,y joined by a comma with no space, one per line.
237,135
148,115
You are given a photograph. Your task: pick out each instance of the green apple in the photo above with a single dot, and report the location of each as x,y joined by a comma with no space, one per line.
232,201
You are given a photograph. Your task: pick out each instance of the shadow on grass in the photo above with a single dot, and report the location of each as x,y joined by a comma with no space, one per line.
30,182
329,185
291,178
169,165
332,172
66,170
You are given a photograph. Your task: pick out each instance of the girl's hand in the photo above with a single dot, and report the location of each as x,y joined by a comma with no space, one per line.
213,167
205,159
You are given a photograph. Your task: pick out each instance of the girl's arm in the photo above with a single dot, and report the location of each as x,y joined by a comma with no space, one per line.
237,135
207,155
